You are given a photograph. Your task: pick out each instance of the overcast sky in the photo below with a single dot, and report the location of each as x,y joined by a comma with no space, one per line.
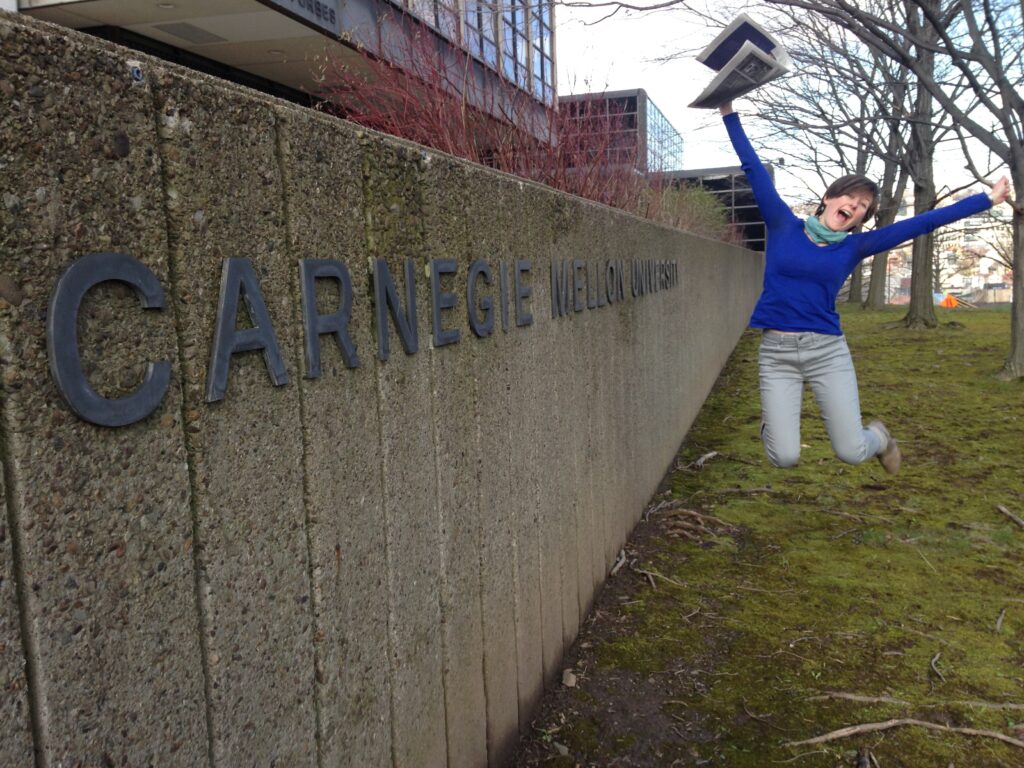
622,53
619,53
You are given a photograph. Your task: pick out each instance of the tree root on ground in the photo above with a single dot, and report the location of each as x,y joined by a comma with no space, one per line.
853,730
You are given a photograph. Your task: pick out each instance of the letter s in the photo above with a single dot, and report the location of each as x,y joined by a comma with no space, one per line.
62,339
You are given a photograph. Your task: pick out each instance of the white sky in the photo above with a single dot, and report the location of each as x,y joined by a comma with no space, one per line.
620,53
617,54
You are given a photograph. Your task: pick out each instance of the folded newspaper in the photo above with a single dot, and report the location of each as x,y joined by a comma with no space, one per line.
745,57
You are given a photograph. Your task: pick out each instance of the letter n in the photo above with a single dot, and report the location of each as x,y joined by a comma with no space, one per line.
386,298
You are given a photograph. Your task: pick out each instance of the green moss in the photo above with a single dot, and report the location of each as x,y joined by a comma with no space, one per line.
839,578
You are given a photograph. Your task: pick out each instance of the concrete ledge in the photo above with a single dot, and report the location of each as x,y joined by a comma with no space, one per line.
377,564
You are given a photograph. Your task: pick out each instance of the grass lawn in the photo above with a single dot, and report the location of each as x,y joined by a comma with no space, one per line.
827,595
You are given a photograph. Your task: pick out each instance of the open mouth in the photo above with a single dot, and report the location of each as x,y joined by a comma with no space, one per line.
844,215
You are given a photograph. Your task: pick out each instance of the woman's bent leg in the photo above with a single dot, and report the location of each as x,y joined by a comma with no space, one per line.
782,386
834,382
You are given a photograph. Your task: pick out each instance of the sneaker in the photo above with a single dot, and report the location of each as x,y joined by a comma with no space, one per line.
890,456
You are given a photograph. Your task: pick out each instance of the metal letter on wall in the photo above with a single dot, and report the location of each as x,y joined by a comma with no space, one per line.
311,270
523,291
442,299
385,296
484,327
62,339
325,14
239,279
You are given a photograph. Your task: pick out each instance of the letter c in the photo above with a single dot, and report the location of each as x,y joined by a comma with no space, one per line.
62,339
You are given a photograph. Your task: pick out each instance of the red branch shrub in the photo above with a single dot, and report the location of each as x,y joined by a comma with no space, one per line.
447,100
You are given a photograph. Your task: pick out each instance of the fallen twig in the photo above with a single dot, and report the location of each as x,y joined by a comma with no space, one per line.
701,461
980,704
862,699
699,516
657,508
999,621
927,561
859,698
619,562
652,574
693,525
847,532
1010,515
936,638
935,668
762,719
852,730
802,754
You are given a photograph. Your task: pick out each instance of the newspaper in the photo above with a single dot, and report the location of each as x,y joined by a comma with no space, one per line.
746,57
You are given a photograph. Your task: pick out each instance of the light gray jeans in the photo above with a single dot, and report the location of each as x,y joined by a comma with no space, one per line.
786,361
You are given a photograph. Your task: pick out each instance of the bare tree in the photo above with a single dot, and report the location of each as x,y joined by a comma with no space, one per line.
981,40
851,99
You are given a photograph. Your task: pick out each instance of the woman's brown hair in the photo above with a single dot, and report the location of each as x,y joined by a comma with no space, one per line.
846,185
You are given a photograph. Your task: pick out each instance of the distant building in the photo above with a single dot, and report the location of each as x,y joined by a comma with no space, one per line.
275,45
626,128
967,260
729,184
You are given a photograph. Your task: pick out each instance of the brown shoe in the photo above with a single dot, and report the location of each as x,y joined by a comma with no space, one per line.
890,457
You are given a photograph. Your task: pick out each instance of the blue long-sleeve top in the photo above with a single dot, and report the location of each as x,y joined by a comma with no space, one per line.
802,279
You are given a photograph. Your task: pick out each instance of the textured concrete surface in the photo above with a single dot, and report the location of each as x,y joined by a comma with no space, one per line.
446,189
524,456
101,517
381,566
492,365
394,231
14,712
223,192
342,452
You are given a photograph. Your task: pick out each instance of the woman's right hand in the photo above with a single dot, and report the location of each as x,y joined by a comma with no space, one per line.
1000,191
725,109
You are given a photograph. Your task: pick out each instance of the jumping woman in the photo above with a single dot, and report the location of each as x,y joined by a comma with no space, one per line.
807,263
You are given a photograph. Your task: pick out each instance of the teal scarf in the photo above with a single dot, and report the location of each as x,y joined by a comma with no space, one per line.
821,234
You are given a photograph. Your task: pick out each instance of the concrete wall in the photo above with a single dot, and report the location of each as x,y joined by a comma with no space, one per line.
378,567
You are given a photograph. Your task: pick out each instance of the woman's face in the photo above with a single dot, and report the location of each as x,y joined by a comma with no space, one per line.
846,212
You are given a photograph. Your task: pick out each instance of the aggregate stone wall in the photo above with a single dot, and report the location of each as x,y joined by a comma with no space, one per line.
379,566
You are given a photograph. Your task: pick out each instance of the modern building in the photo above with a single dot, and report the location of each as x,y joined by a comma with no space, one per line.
279,46
729,184
626,128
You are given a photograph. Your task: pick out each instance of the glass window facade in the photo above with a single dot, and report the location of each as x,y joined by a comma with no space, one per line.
624,128
664,144
513,37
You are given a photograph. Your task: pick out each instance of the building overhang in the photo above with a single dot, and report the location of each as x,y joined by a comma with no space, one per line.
294,43
265,39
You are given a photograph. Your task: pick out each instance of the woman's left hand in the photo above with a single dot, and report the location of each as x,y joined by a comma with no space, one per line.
1000,191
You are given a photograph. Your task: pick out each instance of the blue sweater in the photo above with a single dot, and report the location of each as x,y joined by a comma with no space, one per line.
801,279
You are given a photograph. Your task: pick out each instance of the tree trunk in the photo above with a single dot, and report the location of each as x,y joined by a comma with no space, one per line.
887,210
856,285
1013,368
921,313
922,150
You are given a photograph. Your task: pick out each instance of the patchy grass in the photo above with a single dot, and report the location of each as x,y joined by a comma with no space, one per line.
833,579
